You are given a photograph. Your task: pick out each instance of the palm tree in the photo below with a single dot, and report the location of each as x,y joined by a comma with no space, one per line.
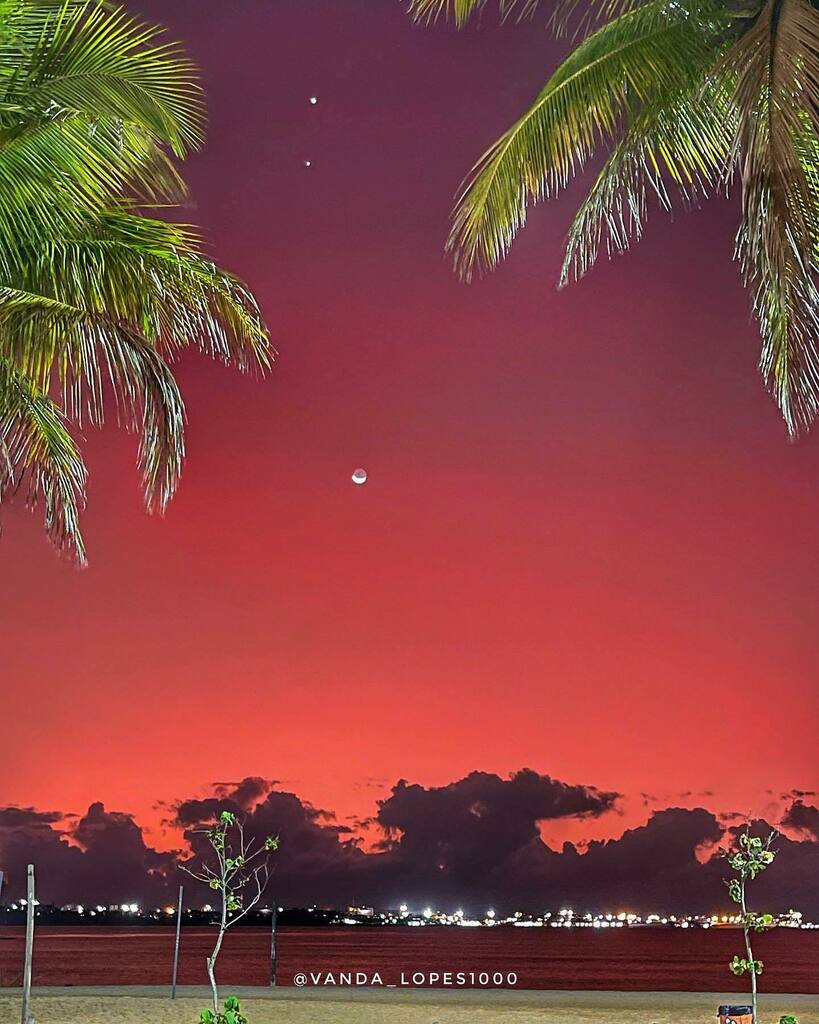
688,97
97,296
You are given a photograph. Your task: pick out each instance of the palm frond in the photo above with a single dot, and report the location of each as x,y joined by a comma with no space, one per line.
460,11
88,101
595,12
685,141
150,275
777,95
96,297
93,57
93,356
53,174
36,447
578,18
610,76
106,310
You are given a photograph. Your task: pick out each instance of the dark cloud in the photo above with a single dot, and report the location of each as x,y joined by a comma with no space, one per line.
240,797
246,793
26,817
317,861
791,882
802,817
652,864
103,859
673,863
472,843
461,838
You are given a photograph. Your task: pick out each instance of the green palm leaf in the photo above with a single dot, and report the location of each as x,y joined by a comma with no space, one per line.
686,141
150,274
96,297
610,76
460,11
92,356
54,174
690,97
35,446
92,58
106,310
777,94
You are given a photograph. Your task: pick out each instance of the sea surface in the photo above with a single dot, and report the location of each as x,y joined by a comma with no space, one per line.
528,958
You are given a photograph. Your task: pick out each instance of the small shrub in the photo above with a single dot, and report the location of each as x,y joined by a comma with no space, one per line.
232,1014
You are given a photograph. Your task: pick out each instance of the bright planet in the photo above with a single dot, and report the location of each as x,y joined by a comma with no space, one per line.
360,476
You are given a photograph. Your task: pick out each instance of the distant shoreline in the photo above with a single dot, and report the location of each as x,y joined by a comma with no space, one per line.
131,915
285,923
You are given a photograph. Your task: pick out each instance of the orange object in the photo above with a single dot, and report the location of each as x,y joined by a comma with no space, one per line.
736,1015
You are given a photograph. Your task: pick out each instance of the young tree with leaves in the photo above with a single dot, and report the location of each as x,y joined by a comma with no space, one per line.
97,297
239,873
750,858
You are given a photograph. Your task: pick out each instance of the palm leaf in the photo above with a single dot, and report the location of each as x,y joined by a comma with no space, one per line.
53,174
777,94
610,76
563,11
96,297
150,274
87,102
93,356
36,446
91,57
106,310
686,141
460,11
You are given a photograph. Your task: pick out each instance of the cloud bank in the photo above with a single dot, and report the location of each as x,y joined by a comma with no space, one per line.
472,843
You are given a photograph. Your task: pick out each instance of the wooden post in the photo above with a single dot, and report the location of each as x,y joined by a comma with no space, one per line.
25,1017
273,915
176,944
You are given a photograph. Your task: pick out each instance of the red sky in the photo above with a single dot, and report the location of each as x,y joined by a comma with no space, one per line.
585,547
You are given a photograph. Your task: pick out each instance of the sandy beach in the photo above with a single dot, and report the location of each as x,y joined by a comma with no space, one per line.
111,1005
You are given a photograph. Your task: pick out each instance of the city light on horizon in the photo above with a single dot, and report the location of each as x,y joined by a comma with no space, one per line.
457,918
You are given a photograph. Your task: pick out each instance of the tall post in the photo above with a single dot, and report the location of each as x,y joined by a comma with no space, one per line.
176,944
273,915
2,876
25,1017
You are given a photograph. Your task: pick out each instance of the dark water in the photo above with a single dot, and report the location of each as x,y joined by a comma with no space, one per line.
634,959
